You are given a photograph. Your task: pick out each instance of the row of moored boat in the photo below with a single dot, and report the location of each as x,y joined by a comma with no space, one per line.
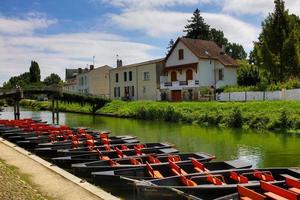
126,167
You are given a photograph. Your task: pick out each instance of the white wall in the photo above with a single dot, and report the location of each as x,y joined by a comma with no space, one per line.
260,95
206,73
189,57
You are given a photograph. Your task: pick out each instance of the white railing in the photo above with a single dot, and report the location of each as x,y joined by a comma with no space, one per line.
293,94
179,84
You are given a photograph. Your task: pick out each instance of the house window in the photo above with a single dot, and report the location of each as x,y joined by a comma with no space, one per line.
180,54
221,74
146,76
132,91
126,92
173,76
116,91
189,74
125,76
117,77
130,76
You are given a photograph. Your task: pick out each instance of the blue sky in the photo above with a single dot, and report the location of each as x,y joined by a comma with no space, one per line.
60,34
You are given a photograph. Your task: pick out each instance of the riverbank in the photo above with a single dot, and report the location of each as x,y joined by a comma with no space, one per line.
16,184
260,115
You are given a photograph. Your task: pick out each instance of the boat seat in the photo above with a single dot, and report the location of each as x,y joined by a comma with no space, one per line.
275,192
264,176
174,158
214,180
120,153
199,167
247,194
153,173
187,182
124,147
134,161
296,190
176,170
153,159
274,196
238,178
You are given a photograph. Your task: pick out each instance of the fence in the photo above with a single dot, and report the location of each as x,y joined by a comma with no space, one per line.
293,94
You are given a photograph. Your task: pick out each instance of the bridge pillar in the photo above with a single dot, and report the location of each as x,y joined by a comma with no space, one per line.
55,111
16,109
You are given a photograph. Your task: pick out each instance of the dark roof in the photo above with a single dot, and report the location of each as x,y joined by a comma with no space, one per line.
71,74
206,50
140,63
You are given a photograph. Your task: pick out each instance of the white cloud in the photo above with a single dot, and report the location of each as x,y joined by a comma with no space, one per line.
146,4
31,22
166,24
56,52
262,7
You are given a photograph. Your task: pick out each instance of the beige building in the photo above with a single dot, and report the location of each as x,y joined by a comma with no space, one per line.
138,81
93,81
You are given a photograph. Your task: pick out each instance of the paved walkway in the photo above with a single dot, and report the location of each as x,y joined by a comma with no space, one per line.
50,181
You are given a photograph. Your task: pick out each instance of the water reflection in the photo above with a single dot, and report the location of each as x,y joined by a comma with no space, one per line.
260,149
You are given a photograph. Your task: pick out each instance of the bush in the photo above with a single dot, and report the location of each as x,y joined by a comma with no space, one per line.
235,119
247,74
2,102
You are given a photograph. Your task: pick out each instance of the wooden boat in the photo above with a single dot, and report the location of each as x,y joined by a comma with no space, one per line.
213,185
32,144
115,178
289,189
46,137
58,151
85,169
67,161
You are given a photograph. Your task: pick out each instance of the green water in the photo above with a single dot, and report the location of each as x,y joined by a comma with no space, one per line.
260,149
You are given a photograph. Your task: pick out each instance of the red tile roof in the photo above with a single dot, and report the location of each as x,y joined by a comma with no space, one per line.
206,50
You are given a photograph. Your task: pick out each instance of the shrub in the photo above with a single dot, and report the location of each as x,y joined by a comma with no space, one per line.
2,102
235,119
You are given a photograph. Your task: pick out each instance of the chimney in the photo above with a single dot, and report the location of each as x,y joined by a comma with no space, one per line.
79,70
91,67
119,63
223,49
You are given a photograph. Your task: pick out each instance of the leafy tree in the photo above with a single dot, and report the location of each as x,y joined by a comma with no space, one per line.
35,73
170,45
247,75
52,79
218,37
21,80
236,51
277,49
197,28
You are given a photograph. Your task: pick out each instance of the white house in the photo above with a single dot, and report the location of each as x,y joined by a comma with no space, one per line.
193,65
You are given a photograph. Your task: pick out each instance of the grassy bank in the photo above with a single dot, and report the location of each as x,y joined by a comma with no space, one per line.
16,185
262,115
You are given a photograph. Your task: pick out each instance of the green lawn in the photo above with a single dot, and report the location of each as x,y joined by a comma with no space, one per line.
270,115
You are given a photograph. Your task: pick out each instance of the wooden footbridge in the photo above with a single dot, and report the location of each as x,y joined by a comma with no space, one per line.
54,93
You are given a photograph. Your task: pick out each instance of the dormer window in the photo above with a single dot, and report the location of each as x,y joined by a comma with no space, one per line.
180,54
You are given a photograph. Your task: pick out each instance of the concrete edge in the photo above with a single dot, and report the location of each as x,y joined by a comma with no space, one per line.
81,183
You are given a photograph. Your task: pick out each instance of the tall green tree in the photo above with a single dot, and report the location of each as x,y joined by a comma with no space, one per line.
35,73
170,45
236,51
218,37
196,27
52,79
277,49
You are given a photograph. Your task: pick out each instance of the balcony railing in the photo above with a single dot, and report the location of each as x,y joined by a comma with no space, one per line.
179,84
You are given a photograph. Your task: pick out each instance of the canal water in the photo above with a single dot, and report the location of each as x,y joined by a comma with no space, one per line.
261,149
